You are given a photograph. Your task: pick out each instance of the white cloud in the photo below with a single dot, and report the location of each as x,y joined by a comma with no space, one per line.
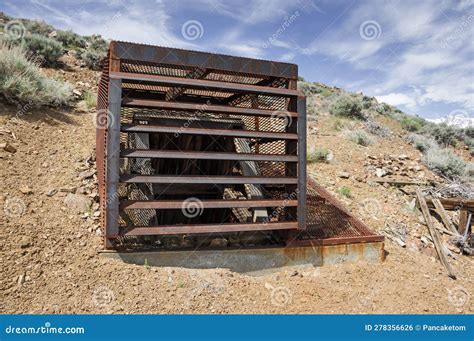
397,99
252,12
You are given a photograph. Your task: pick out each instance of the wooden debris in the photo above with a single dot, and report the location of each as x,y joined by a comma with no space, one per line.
440,249
463,215
454,204
401,182
7,147
396,233
444,217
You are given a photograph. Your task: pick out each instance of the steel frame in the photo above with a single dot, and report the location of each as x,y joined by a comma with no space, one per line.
256,92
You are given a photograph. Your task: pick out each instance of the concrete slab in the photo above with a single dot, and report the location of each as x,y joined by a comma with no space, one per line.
254,260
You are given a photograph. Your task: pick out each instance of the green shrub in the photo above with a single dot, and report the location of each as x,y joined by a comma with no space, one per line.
339,124
70,39
377,129
317,155
90,99
445,162
469,132
469,171
422,143
92,58
384,109
360,137
345,191
38,27
96,42
412,123
347,106
45,50
443,134
367,102
21,81
470,143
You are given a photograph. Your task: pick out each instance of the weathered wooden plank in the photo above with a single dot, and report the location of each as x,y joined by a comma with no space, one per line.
444,216
439,246
454,204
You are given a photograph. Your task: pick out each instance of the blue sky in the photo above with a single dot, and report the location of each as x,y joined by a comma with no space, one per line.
418,55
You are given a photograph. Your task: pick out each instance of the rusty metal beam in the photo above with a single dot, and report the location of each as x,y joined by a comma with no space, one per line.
204,84
112,159
204,204
205,228
202,108
176,92
145,128
213,61
204,179
301,126
182,154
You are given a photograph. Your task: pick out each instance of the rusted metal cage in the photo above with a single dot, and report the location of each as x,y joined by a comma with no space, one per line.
191,142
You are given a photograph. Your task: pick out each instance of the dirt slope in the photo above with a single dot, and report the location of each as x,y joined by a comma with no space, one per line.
50,262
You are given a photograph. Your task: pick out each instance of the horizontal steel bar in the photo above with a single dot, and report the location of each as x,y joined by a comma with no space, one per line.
209,203
145,128
191,179
222,109
179,154
219,62
205,228
205,84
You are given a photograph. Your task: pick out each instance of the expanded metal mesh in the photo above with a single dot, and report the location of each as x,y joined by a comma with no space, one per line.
327,218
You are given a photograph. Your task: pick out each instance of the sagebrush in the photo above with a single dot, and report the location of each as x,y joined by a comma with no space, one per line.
445,162
347,105
22,82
